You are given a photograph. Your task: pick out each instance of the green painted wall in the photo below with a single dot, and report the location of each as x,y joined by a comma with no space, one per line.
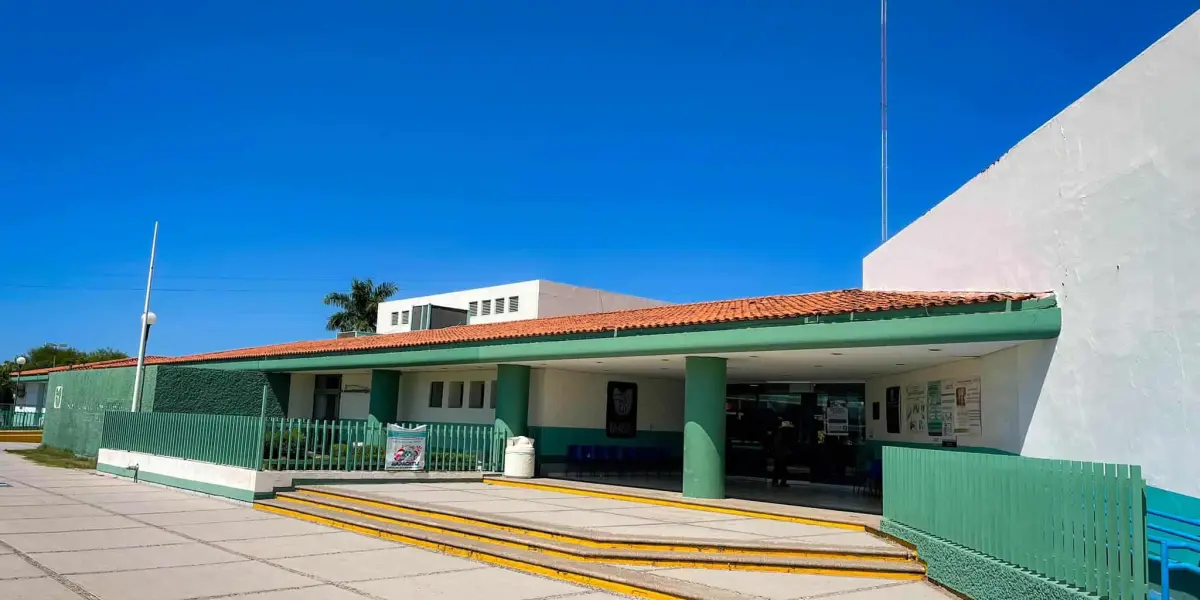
77,423
210,391
976,575
551,442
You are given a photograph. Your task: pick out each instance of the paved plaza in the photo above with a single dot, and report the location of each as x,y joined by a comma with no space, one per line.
67,534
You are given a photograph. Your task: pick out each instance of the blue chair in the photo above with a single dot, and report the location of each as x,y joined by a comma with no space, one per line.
575,458
588,455
875,477
605,458
627,459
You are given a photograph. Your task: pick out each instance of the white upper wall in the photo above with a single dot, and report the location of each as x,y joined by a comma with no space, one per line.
558,299
1101,206
533,299
560,398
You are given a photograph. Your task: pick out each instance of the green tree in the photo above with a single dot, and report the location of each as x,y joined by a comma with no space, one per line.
359,309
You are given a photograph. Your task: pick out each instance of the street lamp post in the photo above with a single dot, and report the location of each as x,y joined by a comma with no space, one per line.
20,365
148,320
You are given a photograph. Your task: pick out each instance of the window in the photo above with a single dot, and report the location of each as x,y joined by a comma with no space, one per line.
475,399
487,307
472,309
456,394
514,303
499,305
396,318
403,318
435,394
492,400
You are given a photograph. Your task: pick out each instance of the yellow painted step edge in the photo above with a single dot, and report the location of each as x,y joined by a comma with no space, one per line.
674,563
486,558
675,503
580,541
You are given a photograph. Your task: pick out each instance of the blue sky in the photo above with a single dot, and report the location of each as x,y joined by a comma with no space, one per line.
674,149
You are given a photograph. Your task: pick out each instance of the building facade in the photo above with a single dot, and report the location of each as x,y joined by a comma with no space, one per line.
503,303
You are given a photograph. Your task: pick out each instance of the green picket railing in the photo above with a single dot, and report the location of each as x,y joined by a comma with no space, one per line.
221,439
23,420
311,445
1080,523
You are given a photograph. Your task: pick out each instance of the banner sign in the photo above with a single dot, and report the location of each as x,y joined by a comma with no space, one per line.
405,448
837,418
621,414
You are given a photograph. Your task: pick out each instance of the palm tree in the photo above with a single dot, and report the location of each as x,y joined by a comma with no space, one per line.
359,308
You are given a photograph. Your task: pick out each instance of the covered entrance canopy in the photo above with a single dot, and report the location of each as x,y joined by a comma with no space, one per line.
552,378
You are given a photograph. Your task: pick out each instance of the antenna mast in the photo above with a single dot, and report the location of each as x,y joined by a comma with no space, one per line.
883,109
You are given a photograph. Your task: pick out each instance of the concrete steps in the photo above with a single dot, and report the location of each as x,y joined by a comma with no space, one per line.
30,436
581,555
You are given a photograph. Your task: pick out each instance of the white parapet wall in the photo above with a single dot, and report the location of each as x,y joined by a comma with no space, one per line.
219,480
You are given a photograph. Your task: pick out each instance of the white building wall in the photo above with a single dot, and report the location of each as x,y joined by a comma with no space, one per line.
35,396
557,299
525,291
1101,206
535,299
356,396
1005,376
414,397
559,398
300,395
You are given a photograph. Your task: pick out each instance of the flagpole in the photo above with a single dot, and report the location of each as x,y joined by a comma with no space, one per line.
883,109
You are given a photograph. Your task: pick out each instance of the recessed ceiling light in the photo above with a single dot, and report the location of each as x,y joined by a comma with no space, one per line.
817,366
935,349
899,364
599,362
753,356
663,369
837,353
666,360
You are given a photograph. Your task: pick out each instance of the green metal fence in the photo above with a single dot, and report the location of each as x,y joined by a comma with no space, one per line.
13,419
1080,523
309,445
221,439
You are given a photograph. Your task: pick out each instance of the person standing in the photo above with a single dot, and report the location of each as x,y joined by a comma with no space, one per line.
781,448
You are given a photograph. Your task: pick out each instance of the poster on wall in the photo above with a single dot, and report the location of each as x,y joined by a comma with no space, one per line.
837,418
621,414
405,448
892,408
914,408
963,399
933,408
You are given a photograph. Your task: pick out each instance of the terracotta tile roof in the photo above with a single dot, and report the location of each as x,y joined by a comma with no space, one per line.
104,364
678,315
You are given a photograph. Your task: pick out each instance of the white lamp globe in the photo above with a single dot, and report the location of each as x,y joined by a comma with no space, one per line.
149,318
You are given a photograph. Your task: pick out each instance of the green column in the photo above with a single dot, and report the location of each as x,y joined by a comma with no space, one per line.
512,399
704,428
385,391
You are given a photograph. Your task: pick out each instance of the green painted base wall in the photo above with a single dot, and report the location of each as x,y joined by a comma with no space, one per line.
77,423
551,442
978,576
1184,585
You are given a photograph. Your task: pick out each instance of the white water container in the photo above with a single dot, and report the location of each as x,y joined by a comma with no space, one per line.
518,458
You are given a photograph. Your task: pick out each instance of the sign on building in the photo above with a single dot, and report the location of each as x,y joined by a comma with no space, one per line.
405,448
621,414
